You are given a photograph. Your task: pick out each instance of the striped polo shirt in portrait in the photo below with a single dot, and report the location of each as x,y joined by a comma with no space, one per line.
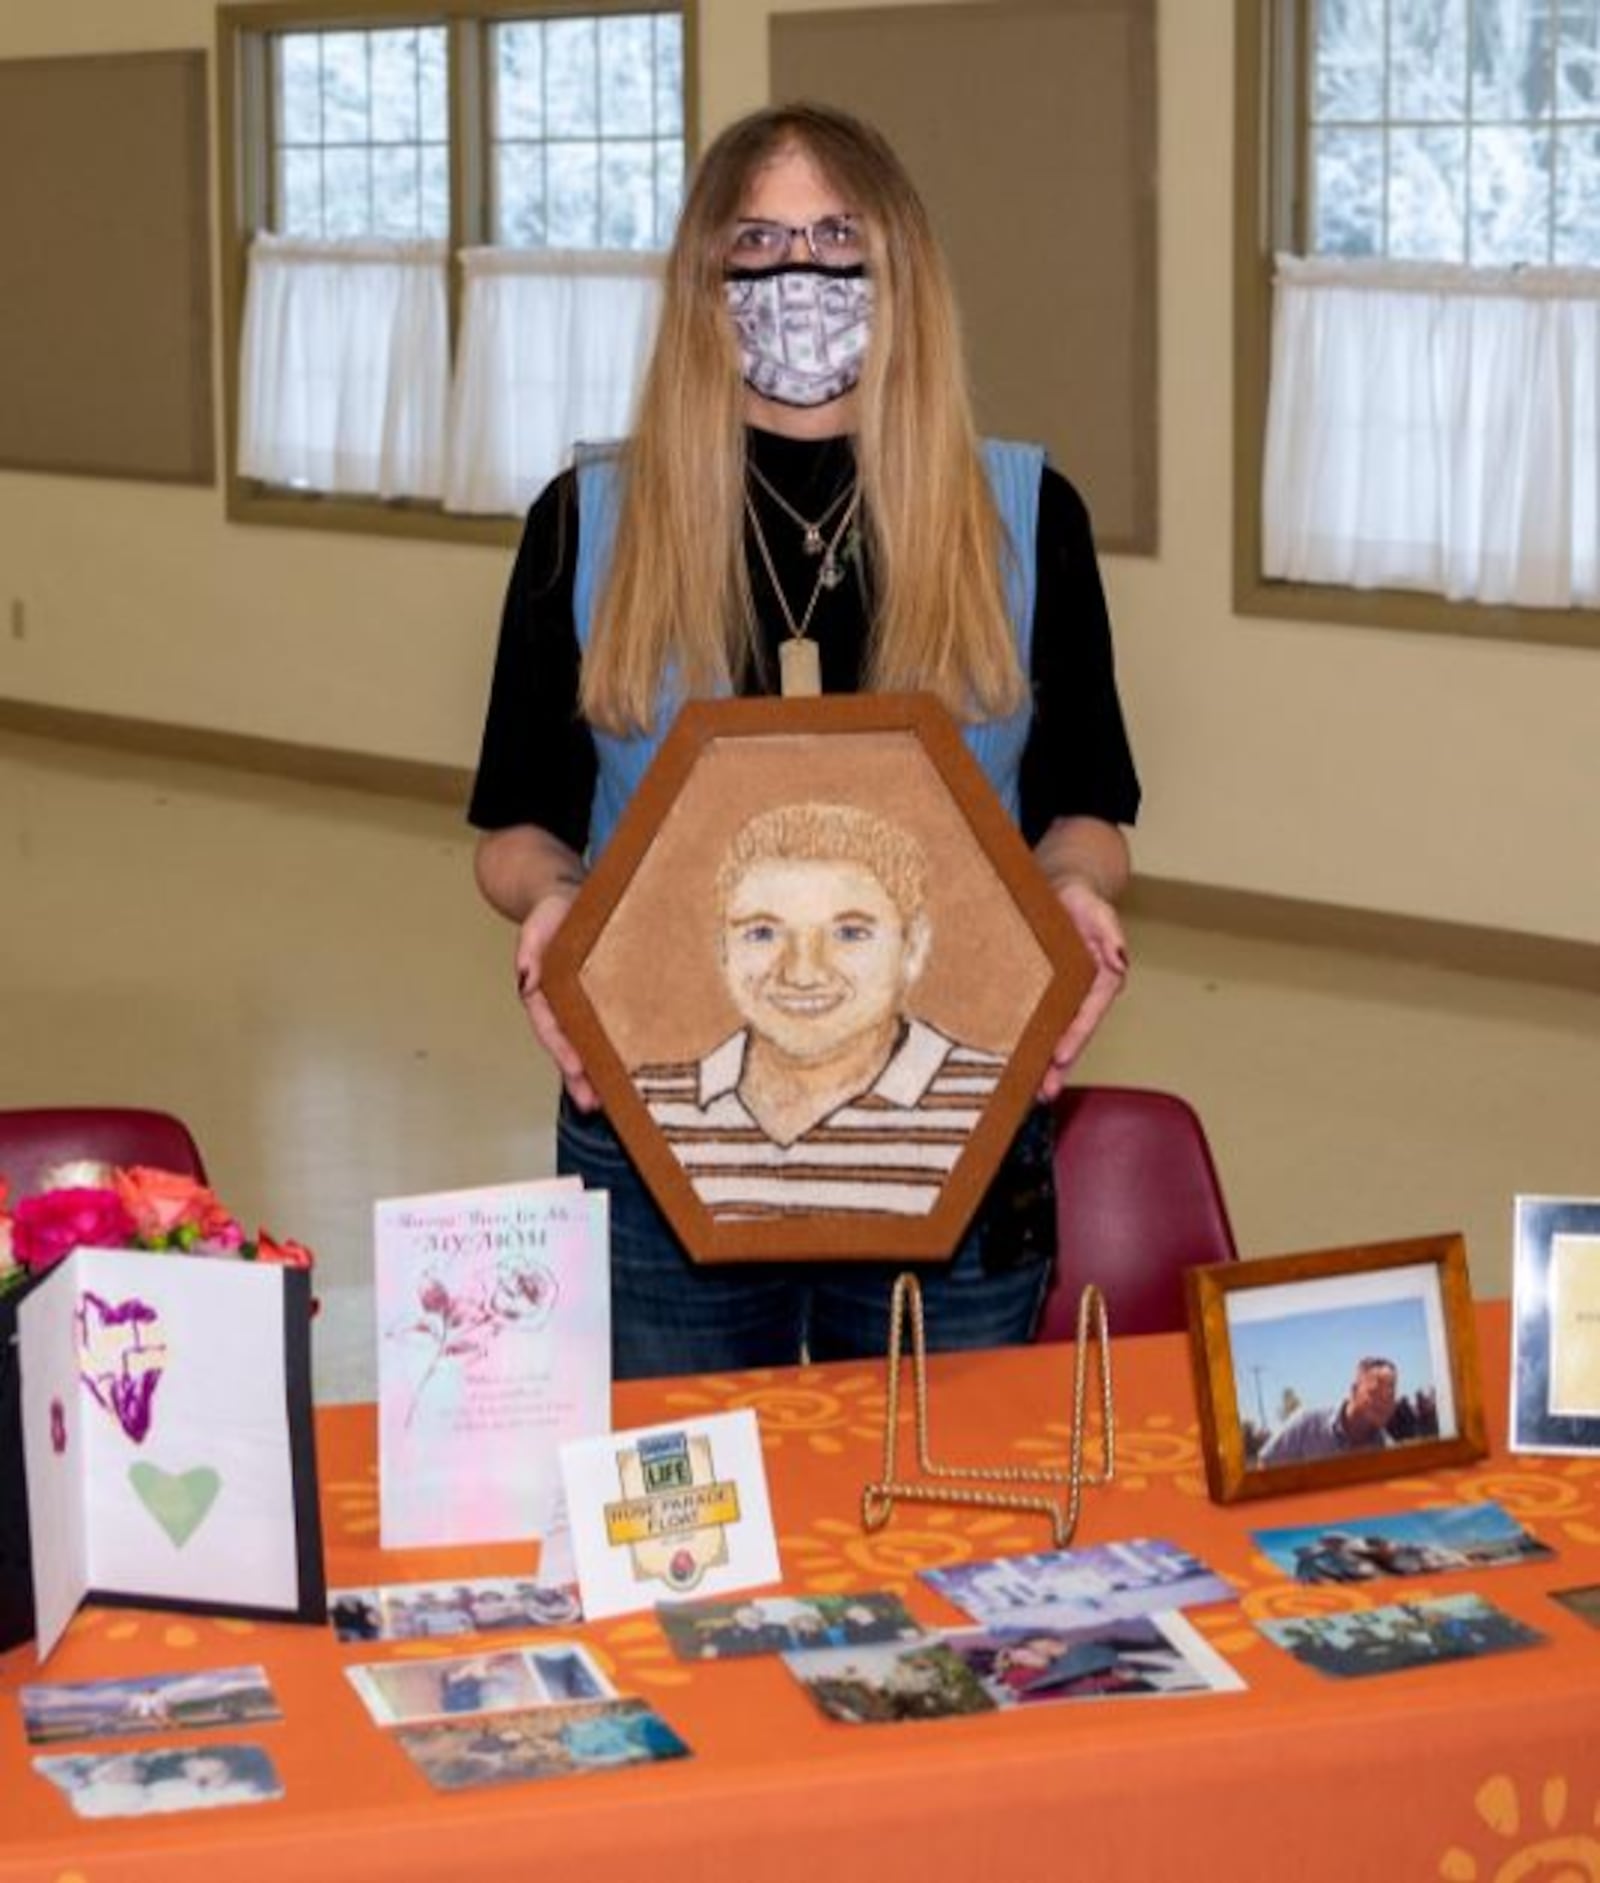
888,1149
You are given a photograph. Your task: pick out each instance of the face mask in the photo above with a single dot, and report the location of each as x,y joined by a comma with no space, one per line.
802,331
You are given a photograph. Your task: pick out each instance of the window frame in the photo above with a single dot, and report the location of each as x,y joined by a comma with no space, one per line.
244,172
1271,154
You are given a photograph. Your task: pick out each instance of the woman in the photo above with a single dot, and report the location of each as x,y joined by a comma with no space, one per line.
803,503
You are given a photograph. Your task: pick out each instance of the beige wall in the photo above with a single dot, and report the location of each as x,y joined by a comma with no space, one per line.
1414,774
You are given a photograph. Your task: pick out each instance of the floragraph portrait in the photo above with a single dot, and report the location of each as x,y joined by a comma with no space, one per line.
815,983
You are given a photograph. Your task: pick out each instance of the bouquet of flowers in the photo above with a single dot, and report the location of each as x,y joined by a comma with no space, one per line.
96,1206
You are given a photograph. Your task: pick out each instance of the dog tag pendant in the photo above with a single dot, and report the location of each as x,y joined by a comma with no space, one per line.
799,668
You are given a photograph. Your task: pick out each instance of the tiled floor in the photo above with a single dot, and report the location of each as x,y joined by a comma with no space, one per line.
307,976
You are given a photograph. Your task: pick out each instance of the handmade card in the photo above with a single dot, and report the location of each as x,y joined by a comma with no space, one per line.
669,1511
494,1349
168,1438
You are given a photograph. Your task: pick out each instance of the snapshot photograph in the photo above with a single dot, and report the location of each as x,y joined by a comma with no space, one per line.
554,1742
872,1685
1149,1655
151,1703
725,1630
1415,1543
1340,1365
396,1691
1409,1634
144,1784
1066,1588
420,1611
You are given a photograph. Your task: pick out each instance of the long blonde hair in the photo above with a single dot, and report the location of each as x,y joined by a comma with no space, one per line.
677,596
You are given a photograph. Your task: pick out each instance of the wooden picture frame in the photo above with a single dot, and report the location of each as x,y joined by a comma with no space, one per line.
1272,1340
1555,1325
651,977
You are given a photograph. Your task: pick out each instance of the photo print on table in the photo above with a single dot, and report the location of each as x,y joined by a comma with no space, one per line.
1406,1635
149,1703
1414,1543
553,1742
421,1611
729,1630
1140,1656
1077,1588
890,1681
177,1778
395,1692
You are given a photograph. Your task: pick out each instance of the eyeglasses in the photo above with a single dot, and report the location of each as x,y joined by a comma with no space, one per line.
834,242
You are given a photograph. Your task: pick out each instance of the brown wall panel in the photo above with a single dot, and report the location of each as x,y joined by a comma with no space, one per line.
1030,127
105,278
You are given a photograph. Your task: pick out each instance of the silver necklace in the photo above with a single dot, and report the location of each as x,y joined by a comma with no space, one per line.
799,662
812,541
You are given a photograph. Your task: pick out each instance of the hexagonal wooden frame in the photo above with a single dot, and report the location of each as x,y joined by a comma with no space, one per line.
704,727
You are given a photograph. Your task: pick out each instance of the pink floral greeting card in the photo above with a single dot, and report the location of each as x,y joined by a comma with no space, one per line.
494,1349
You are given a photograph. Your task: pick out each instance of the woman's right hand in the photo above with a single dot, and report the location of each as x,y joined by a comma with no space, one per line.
533,938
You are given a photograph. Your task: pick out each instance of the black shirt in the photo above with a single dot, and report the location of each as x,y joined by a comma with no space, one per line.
538,765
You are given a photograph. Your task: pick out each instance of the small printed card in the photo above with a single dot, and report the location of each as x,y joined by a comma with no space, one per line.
784,1624
422,1611
1418,1543
554,1742
1074,1588
395,1692
149,1703
669,1511
1410,1634
896,1680
1149,1656
180,1778
494,1348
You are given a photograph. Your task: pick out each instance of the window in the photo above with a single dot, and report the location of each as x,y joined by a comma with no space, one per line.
1455,130
1419,314
445,237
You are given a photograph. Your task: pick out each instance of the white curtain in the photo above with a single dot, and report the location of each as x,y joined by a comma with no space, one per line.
1435,428
345,366
553,348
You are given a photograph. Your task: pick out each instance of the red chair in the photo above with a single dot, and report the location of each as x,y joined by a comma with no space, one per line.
32,1141
1137,1202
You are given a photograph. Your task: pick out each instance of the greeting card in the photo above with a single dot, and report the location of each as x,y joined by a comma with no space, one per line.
494,1349
167,1434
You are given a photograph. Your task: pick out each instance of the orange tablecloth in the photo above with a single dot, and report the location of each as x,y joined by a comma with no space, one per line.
1457,1774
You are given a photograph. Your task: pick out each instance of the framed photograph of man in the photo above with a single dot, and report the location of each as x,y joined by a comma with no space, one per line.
815,978
1555,1339
1335,1366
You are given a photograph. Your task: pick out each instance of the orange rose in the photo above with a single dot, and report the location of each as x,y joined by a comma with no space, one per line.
286,1254
161,1202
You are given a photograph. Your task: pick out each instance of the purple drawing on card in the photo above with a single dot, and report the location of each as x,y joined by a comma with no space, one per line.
58,1427
121,1359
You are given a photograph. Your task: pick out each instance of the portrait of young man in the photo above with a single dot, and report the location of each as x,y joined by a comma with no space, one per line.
832,1093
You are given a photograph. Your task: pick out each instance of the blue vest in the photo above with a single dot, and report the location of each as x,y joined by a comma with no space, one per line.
1014,472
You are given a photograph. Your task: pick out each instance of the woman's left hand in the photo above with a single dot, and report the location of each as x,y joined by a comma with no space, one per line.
1099,927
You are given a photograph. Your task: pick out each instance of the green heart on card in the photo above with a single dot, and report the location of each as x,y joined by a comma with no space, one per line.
178,1500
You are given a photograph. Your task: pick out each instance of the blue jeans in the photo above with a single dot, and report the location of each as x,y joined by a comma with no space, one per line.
671,1315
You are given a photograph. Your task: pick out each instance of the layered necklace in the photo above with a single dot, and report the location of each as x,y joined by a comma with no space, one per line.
799,662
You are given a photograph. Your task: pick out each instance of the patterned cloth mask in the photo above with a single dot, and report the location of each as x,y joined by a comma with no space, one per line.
802,331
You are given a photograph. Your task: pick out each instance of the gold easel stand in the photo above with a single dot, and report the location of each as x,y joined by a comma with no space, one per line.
951,1484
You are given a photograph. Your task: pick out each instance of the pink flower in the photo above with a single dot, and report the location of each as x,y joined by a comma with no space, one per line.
47,1228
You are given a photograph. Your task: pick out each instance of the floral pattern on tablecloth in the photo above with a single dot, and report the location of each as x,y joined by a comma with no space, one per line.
819,1409
1544,1835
